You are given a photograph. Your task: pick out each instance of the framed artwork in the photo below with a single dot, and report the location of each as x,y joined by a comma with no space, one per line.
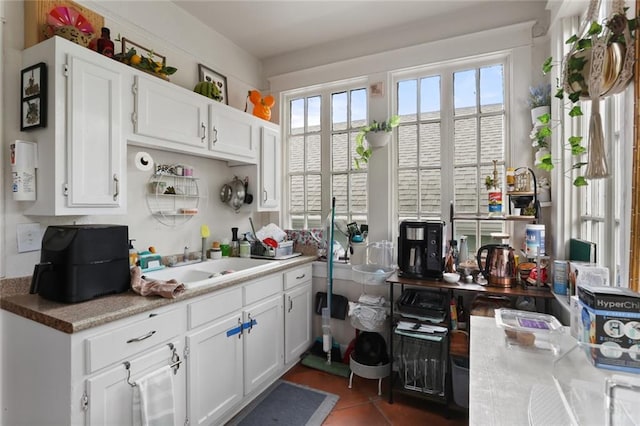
207,74
33,97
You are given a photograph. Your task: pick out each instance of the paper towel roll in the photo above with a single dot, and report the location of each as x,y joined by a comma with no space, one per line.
143,161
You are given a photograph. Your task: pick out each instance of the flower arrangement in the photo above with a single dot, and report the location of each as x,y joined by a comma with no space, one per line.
539,95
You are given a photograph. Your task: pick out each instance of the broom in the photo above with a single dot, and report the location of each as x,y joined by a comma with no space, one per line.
315,361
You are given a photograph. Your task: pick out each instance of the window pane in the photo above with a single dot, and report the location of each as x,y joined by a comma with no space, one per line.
297,116
314,161
359,193
297,221
469,229
465,141
339,190
466,190
314,110
314,221
296,154
314,193
408,145
491,138
358,108
408,191
340,159
430,144
430,98
352,144
464,91
339,111
296,196
491,88
408,100
430,193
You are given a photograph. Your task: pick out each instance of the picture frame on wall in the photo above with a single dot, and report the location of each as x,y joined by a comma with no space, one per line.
33,97
207,74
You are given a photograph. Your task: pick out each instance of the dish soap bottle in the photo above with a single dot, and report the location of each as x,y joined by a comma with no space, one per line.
133,254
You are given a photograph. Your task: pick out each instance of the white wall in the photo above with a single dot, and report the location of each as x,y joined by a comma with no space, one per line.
184,50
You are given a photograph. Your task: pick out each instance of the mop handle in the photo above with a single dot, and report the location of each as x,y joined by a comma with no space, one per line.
330,259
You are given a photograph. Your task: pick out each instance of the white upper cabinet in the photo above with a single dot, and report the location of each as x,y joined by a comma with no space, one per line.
81,152
174,118
269,165
232,134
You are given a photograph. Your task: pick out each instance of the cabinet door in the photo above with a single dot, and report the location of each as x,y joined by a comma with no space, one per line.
231,134
95,145
169,113
214,370
297,322
110,397
263,342
269,170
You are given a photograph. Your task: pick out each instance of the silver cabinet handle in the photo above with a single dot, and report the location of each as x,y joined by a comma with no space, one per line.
264,195
117,181
301,276
215,134
203,132
290,304
240,326
250,322
141,338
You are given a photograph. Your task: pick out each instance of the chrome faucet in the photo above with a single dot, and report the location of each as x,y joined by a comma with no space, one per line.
186,254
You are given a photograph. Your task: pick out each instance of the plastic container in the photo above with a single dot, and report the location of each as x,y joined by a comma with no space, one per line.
245,248
371,274
535,240
529,330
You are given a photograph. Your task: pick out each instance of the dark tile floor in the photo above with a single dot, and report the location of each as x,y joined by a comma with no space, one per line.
361,404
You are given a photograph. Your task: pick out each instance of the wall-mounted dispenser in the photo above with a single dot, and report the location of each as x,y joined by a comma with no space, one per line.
24,162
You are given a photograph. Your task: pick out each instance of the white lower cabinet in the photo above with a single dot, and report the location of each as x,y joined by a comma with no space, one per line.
263,342
231,344
297,313
110,396
215,370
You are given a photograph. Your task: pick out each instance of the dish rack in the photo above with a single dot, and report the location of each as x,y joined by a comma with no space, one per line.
285,248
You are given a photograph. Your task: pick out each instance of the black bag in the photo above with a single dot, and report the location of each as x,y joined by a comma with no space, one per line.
370,349
339,305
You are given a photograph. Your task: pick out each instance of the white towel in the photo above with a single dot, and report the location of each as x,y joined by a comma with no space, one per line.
153,402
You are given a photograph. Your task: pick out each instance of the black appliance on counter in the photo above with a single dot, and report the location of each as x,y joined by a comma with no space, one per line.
81,262
420,251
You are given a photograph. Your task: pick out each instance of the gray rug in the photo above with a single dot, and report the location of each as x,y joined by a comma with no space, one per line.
287,404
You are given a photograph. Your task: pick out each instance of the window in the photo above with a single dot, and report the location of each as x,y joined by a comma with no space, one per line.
321,129
452,128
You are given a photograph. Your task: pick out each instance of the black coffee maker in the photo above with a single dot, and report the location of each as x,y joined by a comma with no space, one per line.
420,253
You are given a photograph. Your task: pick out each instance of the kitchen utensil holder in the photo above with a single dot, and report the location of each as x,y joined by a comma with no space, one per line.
175,364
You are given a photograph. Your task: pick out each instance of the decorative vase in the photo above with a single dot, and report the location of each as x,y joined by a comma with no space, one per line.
378,139
537,112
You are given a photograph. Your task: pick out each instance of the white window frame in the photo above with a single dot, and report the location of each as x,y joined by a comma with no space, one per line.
448,120
325,91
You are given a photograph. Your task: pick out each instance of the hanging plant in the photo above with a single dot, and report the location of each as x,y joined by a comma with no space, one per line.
372,134
599,63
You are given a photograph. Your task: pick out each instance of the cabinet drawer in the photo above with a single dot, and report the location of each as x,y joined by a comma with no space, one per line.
262,288
203,311
139,335
297,276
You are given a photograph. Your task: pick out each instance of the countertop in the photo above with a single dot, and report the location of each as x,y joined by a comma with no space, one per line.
74,317
502,379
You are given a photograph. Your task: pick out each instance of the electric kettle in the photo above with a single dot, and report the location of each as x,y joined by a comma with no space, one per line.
499,264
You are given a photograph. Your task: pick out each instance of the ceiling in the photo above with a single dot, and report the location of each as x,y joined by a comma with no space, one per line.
272,28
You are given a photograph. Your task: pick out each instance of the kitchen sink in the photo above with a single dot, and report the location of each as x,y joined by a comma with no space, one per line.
213,272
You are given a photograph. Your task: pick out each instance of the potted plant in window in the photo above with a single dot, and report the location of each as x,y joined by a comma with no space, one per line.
539,102
377,134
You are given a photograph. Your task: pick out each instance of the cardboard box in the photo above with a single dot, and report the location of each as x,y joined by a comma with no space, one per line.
586,274
610,317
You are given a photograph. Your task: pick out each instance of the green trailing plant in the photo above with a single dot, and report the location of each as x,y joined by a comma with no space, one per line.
575,79
363,152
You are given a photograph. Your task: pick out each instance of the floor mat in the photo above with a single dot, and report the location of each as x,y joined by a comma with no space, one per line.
287,404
